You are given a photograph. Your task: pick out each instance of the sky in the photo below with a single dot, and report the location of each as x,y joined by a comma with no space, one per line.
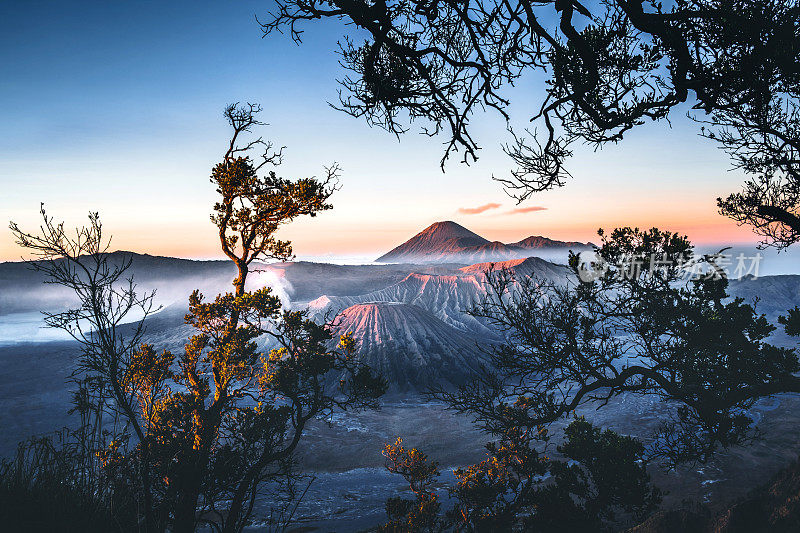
116,107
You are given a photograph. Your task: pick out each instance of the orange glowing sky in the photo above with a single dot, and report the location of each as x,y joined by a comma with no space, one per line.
387,196
128,122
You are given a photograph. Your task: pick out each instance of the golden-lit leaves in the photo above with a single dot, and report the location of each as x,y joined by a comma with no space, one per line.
420,472
234,177
347,344
232,352
253,308
252,208
174,426
146,376
412,464
148,368
485,490
111,457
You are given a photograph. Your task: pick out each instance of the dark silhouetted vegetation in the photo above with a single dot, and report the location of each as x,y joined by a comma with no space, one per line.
632,324
53,484
773,507
607,67
601,485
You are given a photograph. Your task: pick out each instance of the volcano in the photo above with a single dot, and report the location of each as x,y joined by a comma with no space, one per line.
410,347
438,239
448,242
449,297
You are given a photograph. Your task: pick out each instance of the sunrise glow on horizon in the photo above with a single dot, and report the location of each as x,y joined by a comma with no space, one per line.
129,124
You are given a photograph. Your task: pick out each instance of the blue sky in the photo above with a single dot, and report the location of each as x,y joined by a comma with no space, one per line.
116,107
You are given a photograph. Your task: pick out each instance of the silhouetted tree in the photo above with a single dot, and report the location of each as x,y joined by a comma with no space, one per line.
608,67
221,421
631,325
108,323
601,483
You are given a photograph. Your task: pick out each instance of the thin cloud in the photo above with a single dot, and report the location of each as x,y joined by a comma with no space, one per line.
531,209
477,210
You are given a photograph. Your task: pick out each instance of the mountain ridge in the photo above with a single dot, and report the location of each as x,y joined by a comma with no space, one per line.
449,297
448,241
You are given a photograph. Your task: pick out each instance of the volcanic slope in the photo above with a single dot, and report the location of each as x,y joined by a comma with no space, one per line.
409,347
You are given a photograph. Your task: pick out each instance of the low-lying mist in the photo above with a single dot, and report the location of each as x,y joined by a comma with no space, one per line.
22,307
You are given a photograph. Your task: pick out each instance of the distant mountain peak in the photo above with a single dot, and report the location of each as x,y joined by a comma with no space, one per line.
537,241
448,241
447,229
439,238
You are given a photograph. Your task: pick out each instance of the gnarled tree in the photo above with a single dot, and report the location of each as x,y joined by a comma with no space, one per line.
608,67
218,424
631,325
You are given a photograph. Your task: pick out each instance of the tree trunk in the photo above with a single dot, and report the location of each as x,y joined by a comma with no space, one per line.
186,505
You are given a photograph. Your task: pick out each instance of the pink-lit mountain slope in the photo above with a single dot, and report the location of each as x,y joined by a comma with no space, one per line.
448,297
410,347
528,266
438,239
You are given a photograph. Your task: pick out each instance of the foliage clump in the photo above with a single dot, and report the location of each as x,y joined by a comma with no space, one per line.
600,483
643,316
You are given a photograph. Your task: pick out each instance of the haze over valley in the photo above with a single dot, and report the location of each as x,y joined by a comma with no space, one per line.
411,322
